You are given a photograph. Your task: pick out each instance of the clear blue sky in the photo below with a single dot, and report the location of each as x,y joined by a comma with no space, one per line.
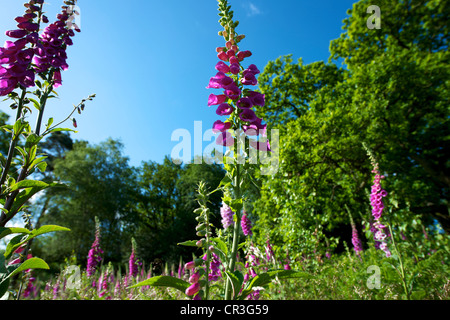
150,61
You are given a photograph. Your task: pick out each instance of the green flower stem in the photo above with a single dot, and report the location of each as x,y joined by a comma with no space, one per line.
208,253
402,268
43,102
236,236
12,147
13,143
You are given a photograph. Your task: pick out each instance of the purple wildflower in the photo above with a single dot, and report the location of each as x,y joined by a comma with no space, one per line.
133,262
376,201
193,289
357,245
95,253
220,126
232,77
246,224
227,216
51,47
16,55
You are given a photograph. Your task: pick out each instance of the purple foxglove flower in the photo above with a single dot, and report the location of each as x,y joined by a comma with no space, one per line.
7,86
235,68
214,82
249,78
222,67
357,245
194,277
257,98
227,216
225,82
193,289
246,224
224,109
223,56
248,115
16,33
28,26
244,103
216,99
190,265
243,54
95,253
253,69
233,92
57,79
225,139
220,126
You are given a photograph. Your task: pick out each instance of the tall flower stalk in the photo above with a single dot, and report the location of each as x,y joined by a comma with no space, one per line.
376,201
95,253
242,130
30,59
244,136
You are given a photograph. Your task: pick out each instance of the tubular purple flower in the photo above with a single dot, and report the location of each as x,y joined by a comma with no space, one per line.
214,82
224,109
233,92
190,265
247,115
246,224
235,68
95,253
216,99
222,67
357,245
193,289
194,277
220,126
249,78
376,201
244,103
20,33
258,99
227,216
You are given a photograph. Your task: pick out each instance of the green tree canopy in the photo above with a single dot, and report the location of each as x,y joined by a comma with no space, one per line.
391,93
100,183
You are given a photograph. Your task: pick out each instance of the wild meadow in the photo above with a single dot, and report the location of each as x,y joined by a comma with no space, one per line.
329,180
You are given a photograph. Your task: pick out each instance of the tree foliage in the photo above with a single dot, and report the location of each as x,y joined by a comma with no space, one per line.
391,93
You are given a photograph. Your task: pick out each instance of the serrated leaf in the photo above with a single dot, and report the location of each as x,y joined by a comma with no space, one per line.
164,281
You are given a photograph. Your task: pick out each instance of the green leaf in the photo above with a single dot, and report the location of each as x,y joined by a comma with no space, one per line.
32,140
7,231
164,281
189,243
32,263
236,282
16,242
29,184
266,278
58,130
36,104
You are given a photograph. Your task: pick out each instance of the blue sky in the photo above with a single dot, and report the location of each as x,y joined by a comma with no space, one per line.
149,62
